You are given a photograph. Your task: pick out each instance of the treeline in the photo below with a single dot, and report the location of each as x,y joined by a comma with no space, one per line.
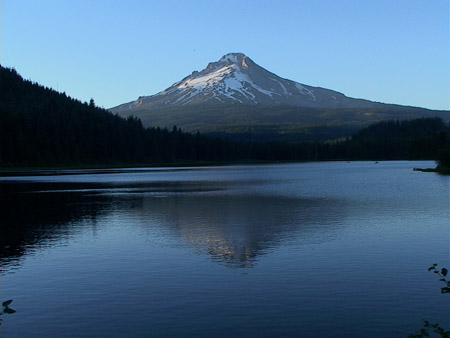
283,133
423,138
41,127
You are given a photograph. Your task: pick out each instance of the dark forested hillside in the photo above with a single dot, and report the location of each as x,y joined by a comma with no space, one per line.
278,122
422,138
40,127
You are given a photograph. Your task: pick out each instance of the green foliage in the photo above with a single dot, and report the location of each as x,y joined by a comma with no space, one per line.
208,118
444,157
281,133
430,330
443,274
40,127
422,138
435,330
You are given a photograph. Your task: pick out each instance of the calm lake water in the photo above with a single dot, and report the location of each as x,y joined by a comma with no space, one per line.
330,249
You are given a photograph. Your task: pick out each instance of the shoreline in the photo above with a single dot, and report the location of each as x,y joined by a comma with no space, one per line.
142,167
438,169
117,167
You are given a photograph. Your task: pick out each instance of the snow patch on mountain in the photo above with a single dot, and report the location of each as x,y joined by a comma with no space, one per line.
306,91
229,81
232,57
201,82
235,78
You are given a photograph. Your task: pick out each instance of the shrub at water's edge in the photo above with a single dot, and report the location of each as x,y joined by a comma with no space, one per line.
443,162
429,329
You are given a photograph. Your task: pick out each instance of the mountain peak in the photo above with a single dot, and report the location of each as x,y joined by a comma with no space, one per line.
234,61
235,78
233,58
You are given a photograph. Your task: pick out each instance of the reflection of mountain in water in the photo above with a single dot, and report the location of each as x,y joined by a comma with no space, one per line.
233,228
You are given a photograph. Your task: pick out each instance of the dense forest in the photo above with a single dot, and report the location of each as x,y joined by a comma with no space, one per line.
40,127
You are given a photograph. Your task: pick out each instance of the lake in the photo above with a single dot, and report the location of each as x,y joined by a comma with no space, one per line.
328,249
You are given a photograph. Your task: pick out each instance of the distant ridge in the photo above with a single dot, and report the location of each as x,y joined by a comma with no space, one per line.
40,127
235,78
234,94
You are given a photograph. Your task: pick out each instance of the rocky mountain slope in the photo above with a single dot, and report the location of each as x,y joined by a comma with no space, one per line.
235,78
235,94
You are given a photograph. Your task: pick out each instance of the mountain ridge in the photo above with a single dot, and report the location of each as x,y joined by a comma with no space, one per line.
235,91
40,127
235,78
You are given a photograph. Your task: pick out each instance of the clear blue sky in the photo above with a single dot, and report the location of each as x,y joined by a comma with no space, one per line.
393,51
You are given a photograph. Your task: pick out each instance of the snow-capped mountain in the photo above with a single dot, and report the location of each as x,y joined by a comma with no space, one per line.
235,78
235,96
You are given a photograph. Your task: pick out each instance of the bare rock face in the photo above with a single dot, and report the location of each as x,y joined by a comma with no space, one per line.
236,79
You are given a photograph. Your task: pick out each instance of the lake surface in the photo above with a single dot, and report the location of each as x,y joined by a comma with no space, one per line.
330,249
